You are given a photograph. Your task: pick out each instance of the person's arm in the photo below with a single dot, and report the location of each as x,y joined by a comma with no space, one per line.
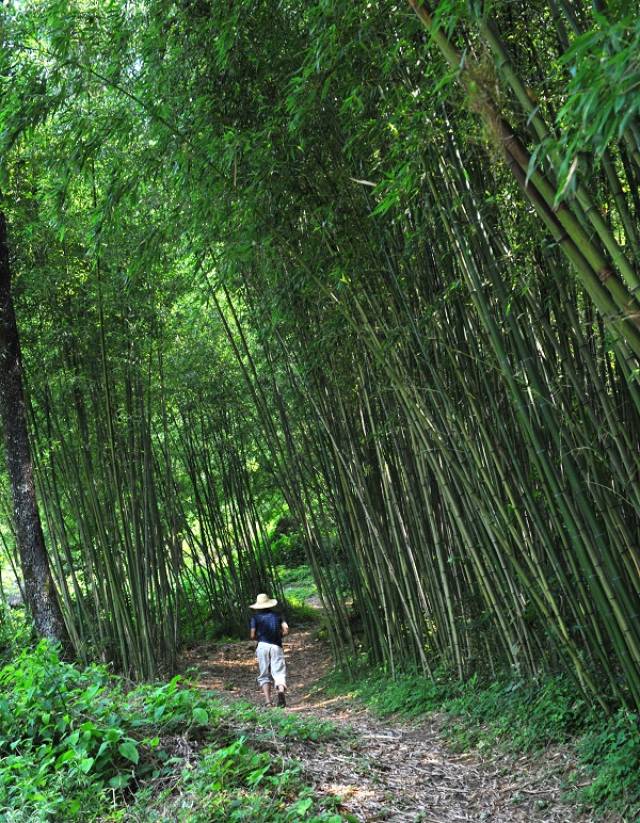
284,628
252,629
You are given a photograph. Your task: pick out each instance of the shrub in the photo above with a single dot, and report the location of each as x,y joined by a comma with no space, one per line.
66,734
287,550
15,631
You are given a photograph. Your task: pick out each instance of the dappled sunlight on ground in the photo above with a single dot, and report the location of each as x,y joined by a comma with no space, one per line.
386,770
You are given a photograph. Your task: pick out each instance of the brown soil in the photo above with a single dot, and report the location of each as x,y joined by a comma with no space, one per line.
391,770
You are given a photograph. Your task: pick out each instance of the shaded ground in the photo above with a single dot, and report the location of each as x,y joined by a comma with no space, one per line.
388,770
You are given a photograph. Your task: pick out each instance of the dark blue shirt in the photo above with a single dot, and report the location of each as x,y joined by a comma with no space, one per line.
268,626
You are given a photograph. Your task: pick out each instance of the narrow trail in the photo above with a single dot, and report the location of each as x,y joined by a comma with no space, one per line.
390,770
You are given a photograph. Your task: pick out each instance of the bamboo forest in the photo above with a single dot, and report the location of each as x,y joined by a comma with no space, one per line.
320,410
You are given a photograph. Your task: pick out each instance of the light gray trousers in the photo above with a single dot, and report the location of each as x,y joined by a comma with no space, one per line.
273,668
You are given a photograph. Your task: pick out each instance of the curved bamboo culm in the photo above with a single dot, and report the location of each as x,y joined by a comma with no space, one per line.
620,308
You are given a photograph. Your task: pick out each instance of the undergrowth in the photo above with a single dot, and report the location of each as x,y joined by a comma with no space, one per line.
232,783
268,724
298,586
297,581
518,716
80,744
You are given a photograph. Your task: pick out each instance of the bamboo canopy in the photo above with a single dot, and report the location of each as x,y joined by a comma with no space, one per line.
371,270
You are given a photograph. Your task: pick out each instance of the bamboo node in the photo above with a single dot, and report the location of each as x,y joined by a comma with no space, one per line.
604,274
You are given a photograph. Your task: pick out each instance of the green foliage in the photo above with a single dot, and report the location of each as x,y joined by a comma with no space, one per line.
517,714
278,268
298,585
239,783
301,612
72,740
235,783
508,712
69,735
15,632
196,613
278,723
288,550
612,753
602,99
297,581
409,694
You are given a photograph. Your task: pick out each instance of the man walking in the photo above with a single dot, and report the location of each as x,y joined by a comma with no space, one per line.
268,628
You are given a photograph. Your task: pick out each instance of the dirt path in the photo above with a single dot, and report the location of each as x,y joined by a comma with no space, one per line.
394,771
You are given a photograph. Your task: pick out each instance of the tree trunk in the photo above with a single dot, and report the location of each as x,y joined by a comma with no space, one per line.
39,588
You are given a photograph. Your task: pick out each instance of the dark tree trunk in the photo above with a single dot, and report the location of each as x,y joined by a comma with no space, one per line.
38,583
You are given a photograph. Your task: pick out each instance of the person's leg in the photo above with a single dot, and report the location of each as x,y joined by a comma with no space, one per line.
279,674
266,691
264,677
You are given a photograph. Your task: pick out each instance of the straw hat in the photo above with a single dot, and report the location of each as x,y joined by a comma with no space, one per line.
263,601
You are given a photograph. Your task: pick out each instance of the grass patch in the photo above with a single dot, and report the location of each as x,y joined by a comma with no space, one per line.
299,612
297,581
409,695
275,722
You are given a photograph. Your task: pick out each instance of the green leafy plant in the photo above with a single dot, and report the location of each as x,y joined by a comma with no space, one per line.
238,783
612,754
288,550
67,734
72,740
